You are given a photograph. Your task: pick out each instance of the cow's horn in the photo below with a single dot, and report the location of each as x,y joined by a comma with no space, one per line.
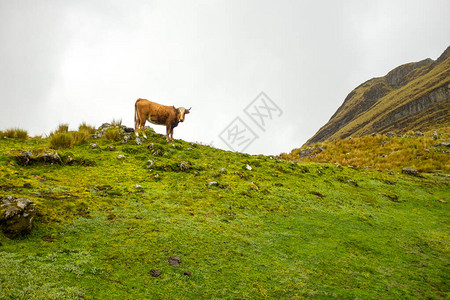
189,108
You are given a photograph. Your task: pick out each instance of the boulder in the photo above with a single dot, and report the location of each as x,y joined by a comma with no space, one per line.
16,216
26,158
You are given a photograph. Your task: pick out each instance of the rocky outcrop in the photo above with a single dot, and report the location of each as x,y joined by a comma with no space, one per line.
16,216
27,157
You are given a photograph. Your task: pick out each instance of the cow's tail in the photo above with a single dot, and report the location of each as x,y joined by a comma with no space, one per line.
136,116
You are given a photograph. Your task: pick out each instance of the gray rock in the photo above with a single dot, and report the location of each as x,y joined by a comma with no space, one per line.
94,146
155,273
248,167
174,261
16,216
48,156
184,166
390,134
411,171
443,144
150,163
418,134
213,183
126,139
120,156
139,141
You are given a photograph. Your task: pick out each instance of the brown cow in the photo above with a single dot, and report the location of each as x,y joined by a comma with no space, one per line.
155,113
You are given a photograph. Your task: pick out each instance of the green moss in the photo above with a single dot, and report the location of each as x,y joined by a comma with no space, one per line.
281,230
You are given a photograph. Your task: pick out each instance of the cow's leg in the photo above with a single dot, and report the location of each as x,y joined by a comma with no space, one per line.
171,134
136,123
136,128
143,127
168,129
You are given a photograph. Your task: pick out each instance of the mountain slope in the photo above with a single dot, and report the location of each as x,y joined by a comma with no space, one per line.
247,227
414,96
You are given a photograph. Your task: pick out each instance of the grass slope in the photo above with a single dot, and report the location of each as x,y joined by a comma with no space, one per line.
281,230
426,153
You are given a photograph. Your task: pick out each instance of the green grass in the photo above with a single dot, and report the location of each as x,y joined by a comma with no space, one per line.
283,230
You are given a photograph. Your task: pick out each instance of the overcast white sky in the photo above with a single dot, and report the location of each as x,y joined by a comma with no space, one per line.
88,61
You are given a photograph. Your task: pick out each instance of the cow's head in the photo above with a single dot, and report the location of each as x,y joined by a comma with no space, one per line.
181,112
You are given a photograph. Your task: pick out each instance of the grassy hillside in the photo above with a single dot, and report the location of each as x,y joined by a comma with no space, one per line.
429,152
245,227
414,96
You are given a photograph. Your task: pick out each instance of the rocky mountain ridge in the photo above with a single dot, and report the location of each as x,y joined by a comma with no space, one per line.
413,96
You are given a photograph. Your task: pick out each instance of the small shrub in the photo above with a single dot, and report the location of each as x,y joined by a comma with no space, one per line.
79,137
86,128
15,133
21,134
61,141
116,123
113,135
2,134
9,133
62,128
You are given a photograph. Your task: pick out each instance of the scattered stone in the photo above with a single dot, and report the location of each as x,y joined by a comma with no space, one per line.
183,166
126,139
150,163
94,146
390,134
174,261
151,146
121,156
138,186
187,273
442,201
311,151
223,170
157,152
16,216
248,167
128,129
443,144
139,141
418,134
435,135
213,183
411,171
155,273
111,148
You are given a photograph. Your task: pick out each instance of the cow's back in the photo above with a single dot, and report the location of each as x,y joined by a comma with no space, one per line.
154,112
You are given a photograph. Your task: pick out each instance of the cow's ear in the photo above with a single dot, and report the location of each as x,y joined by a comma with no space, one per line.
188,110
